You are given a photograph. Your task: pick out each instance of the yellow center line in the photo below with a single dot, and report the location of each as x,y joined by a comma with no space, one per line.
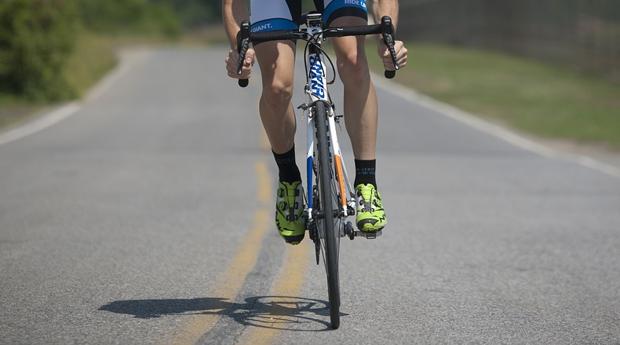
264,186
288,285
231,281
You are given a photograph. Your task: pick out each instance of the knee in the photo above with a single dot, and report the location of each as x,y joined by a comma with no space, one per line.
278,93
353,68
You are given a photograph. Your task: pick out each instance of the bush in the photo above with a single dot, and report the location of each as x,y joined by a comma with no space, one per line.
129,16
194,13
36,38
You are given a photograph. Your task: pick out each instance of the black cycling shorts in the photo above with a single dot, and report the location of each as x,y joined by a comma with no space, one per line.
273,15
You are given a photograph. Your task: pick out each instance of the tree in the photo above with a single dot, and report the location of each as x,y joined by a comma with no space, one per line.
36,37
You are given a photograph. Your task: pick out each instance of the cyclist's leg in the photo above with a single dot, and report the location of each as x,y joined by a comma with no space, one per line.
276,61
360,99
361,115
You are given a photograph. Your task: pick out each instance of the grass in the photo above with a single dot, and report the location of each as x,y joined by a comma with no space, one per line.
534,97
93,57
14,110
96,54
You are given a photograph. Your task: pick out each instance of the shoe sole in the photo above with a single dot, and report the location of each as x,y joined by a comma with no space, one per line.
371,222
294,240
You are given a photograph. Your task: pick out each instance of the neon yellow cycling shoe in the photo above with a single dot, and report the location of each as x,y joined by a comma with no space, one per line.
370,215
289,212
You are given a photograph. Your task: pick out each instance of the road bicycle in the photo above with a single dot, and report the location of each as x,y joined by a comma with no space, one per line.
330,199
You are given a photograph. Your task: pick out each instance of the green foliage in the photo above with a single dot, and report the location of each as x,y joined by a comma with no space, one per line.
129,16
194,12
36,38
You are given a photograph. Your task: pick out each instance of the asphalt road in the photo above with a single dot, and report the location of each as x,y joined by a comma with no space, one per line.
146,218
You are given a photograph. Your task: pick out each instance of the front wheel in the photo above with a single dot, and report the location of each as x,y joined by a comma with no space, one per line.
327,231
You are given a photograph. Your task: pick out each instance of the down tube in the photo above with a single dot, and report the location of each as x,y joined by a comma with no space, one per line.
309,161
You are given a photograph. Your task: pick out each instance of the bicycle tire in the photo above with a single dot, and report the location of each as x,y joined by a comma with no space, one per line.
326,193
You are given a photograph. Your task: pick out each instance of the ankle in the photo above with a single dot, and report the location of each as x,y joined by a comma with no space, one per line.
365,172
287,167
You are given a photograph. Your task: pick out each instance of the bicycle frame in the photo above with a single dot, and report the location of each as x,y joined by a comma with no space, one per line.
316,89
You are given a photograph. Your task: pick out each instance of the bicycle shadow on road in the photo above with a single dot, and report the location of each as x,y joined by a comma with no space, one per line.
276,312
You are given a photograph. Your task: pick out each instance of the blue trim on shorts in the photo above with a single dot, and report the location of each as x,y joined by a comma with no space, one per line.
273,24
338,4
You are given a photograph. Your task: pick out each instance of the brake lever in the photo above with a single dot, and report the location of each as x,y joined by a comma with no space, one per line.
388,39
243,44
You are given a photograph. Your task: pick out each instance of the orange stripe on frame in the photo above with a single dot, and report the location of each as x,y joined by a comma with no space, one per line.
340,178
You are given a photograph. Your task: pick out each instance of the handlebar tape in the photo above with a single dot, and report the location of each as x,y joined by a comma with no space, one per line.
243,44
388,38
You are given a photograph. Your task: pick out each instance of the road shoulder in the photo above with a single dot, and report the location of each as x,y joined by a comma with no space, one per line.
590,156
47,118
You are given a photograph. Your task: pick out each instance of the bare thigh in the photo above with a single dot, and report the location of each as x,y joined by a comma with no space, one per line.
349,50
277,64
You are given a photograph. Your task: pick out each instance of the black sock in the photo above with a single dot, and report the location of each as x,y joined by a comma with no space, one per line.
365,172
289,172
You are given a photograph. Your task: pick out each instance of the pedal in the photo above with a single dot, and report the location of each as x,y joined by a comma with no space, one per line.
368,235
350,210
